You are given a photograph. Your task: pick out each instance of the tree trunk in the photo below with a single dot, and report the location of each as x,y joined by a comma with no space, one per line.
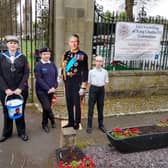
129,9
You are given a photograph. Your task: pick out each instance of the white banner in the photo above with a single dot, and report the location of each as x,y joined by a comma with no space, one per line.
137,41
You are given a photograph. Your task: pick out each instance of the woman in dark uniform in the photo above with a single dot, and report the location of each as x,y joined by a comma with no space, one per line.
14,73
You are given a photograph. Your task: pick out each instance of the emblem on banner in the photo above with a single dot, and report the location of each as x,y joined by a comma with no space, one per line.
123,31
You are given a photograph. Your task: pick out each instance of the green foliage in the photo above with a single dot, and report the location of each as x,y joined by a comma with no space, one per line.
123,15
74,163
108,14
82,144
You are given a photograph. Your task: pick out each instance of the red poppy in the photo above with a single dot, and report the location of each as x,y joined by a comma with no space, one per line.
119,130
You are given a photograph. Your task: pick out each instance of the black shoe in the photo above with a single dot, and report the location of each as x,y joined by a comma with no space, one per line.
53,125
76,126
3,138
24,137
68,125
102,128
46,129
89,130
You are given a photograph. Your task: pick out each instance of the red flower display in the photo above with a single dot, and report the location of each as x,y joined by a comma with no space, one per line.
163,123
86,162
120,133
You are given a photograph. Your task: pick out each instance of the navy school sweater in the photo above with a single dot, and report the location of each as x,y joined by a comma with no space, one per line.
46,76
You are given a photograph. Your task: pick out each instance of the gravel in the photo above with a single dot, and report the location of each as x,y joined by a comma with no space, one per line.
107,156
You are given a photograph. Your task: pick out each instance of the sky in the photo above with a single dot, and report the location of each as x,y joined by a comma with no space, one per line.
154,9
160,8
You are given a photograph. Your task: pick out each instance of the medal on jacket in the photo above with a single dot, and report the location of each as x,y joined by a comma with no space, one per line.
13,69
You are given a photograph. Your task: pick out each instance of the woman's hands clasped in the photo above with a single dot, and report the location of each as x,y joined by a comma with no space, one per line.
11,92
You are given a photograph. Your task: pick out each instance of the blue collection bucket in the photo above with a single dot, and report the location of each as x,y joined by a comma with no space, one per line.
14,107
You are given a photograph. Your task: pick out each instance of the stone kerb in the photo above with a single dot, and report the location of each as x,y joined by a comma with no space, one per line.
67,137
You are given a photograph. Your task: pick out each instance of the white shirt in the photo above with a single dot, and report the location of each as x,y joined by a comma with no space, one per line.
44,62
98,77
12,58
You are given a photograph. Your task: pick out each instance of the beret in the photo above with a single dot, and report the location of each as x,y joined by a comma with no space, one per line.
44,49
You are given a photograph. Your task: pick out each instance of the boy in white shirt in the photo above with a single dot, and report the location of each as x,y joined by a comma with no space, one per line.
97,79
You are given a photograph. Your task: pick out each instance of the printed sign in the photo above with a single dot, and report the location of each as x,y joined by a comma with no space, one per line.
137,41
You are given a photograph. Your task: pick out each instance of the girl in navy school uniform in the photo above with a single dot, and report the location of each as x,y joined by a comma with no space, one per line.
46,84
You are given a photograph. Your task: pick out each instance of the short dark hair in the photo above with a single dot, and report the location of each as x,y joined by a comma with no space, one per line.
74,35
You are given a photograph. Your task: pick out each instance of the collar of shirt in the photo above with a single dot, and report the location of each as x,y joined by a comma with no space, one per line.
7,54
44,62
98,69
75,51
12,58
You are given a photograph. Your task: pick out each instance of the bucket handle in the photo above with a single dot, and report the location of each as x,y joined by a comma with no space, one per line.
6,97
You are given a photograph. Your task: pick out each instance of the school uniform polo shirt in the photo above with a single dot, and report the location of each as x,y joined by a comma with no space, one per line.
98,77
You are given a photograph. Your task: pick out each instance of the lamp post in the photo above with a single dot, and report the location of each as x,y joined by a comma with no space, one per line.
142,14
98,7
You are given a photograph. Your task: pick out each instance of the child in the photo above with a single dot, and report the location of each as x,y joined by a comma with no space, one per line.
97,79
46,84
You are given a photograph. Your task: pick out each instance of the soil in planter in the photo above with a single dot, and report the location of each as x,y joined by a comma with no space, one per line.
152,129
68,154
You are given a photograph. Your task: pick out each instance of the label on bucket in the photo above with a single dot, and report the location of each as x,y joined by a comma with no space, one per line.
14,107
14,102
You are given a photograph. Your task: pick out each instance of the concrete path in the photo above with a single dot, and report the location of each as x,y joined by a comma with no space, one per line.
39,151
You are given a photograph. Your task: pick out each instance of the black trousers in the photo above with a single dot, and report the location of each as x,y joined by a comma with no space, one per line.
72,86
96,95
45,101
8,123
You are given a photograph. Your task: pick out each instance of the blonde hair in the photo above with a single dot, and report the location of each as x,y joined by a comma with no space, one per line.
99,57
